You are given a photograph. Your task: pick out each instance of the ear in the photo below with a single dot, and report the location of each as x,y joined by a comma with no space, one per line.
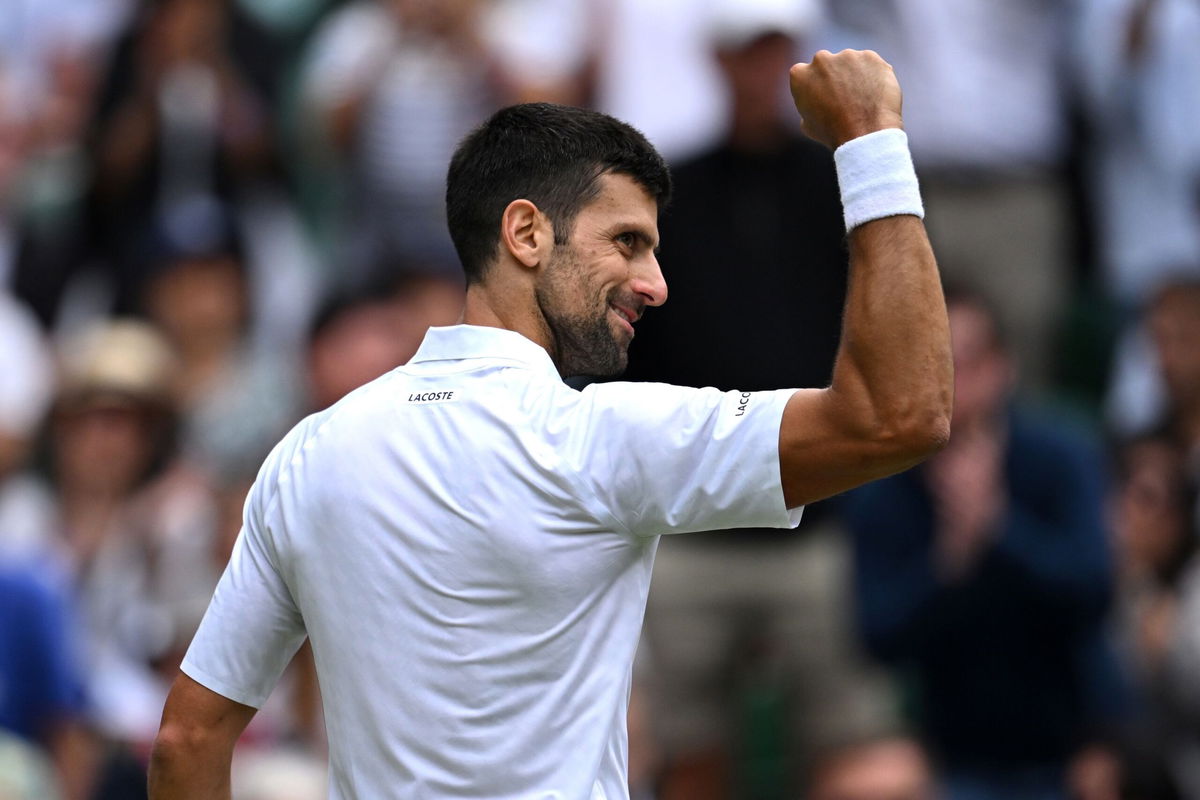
526,233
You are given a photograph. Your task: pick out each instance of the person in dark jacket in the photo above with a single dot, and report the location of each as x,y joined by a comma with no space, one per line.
985,576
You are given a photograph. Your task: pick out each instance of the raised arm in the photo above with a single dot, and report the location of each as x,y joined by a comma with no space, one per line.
194,748
888,406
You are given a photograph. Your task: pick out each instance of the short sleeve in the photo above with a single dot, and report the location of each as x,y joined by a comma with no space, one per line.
252,627
667,459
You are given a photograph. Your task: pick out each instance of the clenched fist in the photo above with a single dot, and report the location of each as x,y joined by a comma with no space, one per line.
841,97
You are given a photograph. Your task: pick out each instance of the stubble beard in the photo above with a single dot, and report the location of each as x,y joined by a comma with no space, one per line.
582,343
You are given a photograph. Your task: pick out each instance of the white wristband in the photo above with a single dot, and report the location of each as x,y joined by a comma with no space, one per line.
877,179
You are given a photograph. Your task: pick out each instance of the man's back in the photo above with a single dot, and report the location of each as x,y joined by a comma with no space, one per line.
474,611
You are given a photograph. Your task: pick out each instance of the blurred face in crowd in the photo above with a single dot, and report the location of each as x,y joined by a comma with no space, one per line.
1175,327
983,373
103,444
439,17
184,31
752,73
357,346
423,302
199,303
1151,508
598,284
887,770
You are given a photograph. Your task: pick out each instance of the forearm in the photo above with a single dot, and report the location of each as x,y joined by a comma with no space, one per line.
182,772
893,368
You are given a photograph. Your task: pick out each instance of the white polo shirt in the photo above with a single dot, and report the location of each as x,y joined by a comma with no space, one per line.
468,542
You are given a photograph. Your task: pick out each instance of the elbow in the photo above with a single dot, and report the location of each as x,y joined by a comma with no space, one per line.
179,743
933,434
915,437
172,744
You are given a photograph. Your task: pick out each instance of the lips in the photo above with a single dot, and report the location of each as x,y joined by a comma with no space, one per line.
626,315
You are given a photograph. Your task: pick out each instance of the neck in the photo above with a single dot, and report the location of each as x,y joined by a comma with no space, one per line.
494,310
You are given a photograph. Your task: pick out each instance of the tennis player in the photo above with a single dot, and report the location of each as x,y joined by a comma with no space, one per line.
467,541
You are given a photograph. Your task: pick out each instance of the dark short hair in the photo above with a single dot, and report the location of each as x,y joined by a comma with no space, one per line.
548,154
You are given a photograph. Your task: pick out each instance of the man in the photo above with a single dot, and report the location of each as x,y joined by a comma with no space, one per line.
728,610
474,608
986,575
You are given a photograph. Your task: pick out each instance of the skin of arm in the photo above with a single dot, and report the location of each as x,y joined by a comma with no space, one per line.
194,748
888,406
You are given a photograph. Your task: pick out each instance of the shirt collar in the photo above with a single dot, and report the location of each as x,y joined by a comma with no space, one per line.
456,342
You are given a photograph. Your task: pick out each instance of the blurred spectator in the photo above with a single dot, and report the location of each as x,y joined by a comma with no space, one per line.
647,63
108,439
394,84
50,55
1156,386
178,123
986,109
358,337
352,342
41,691
1139,68
179,118
888,767
25,394
748,631
235,400
1155,545
1174,322
1158,520
985,574
1181,698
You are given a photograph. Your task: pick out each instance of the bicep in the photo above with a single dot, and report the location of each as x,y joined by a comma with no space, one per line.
827,445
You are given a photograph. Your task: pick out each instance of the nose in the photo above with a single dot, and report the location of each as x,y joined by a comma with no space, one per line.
649,283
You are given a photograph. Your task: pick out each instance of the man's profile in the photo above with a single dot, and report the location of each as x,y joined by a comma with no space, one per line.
467,542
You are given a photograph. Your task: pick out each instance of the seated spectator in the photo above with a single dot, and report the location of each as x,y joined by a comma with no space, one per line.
984,576
235,400
109,437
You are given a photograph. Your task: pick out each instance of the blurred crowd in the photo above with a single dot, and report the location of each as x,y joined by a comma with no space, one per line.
217,216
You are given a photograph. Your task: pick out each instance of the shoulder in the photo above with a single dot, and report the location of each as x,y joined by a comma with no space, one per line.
307,437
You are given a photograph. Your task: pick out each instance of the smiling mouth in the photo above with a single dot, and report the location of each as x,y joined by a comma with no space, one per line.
626,316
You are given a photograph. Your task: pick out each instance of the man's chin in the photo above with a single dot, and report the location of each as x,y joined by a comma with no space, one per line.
602,372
